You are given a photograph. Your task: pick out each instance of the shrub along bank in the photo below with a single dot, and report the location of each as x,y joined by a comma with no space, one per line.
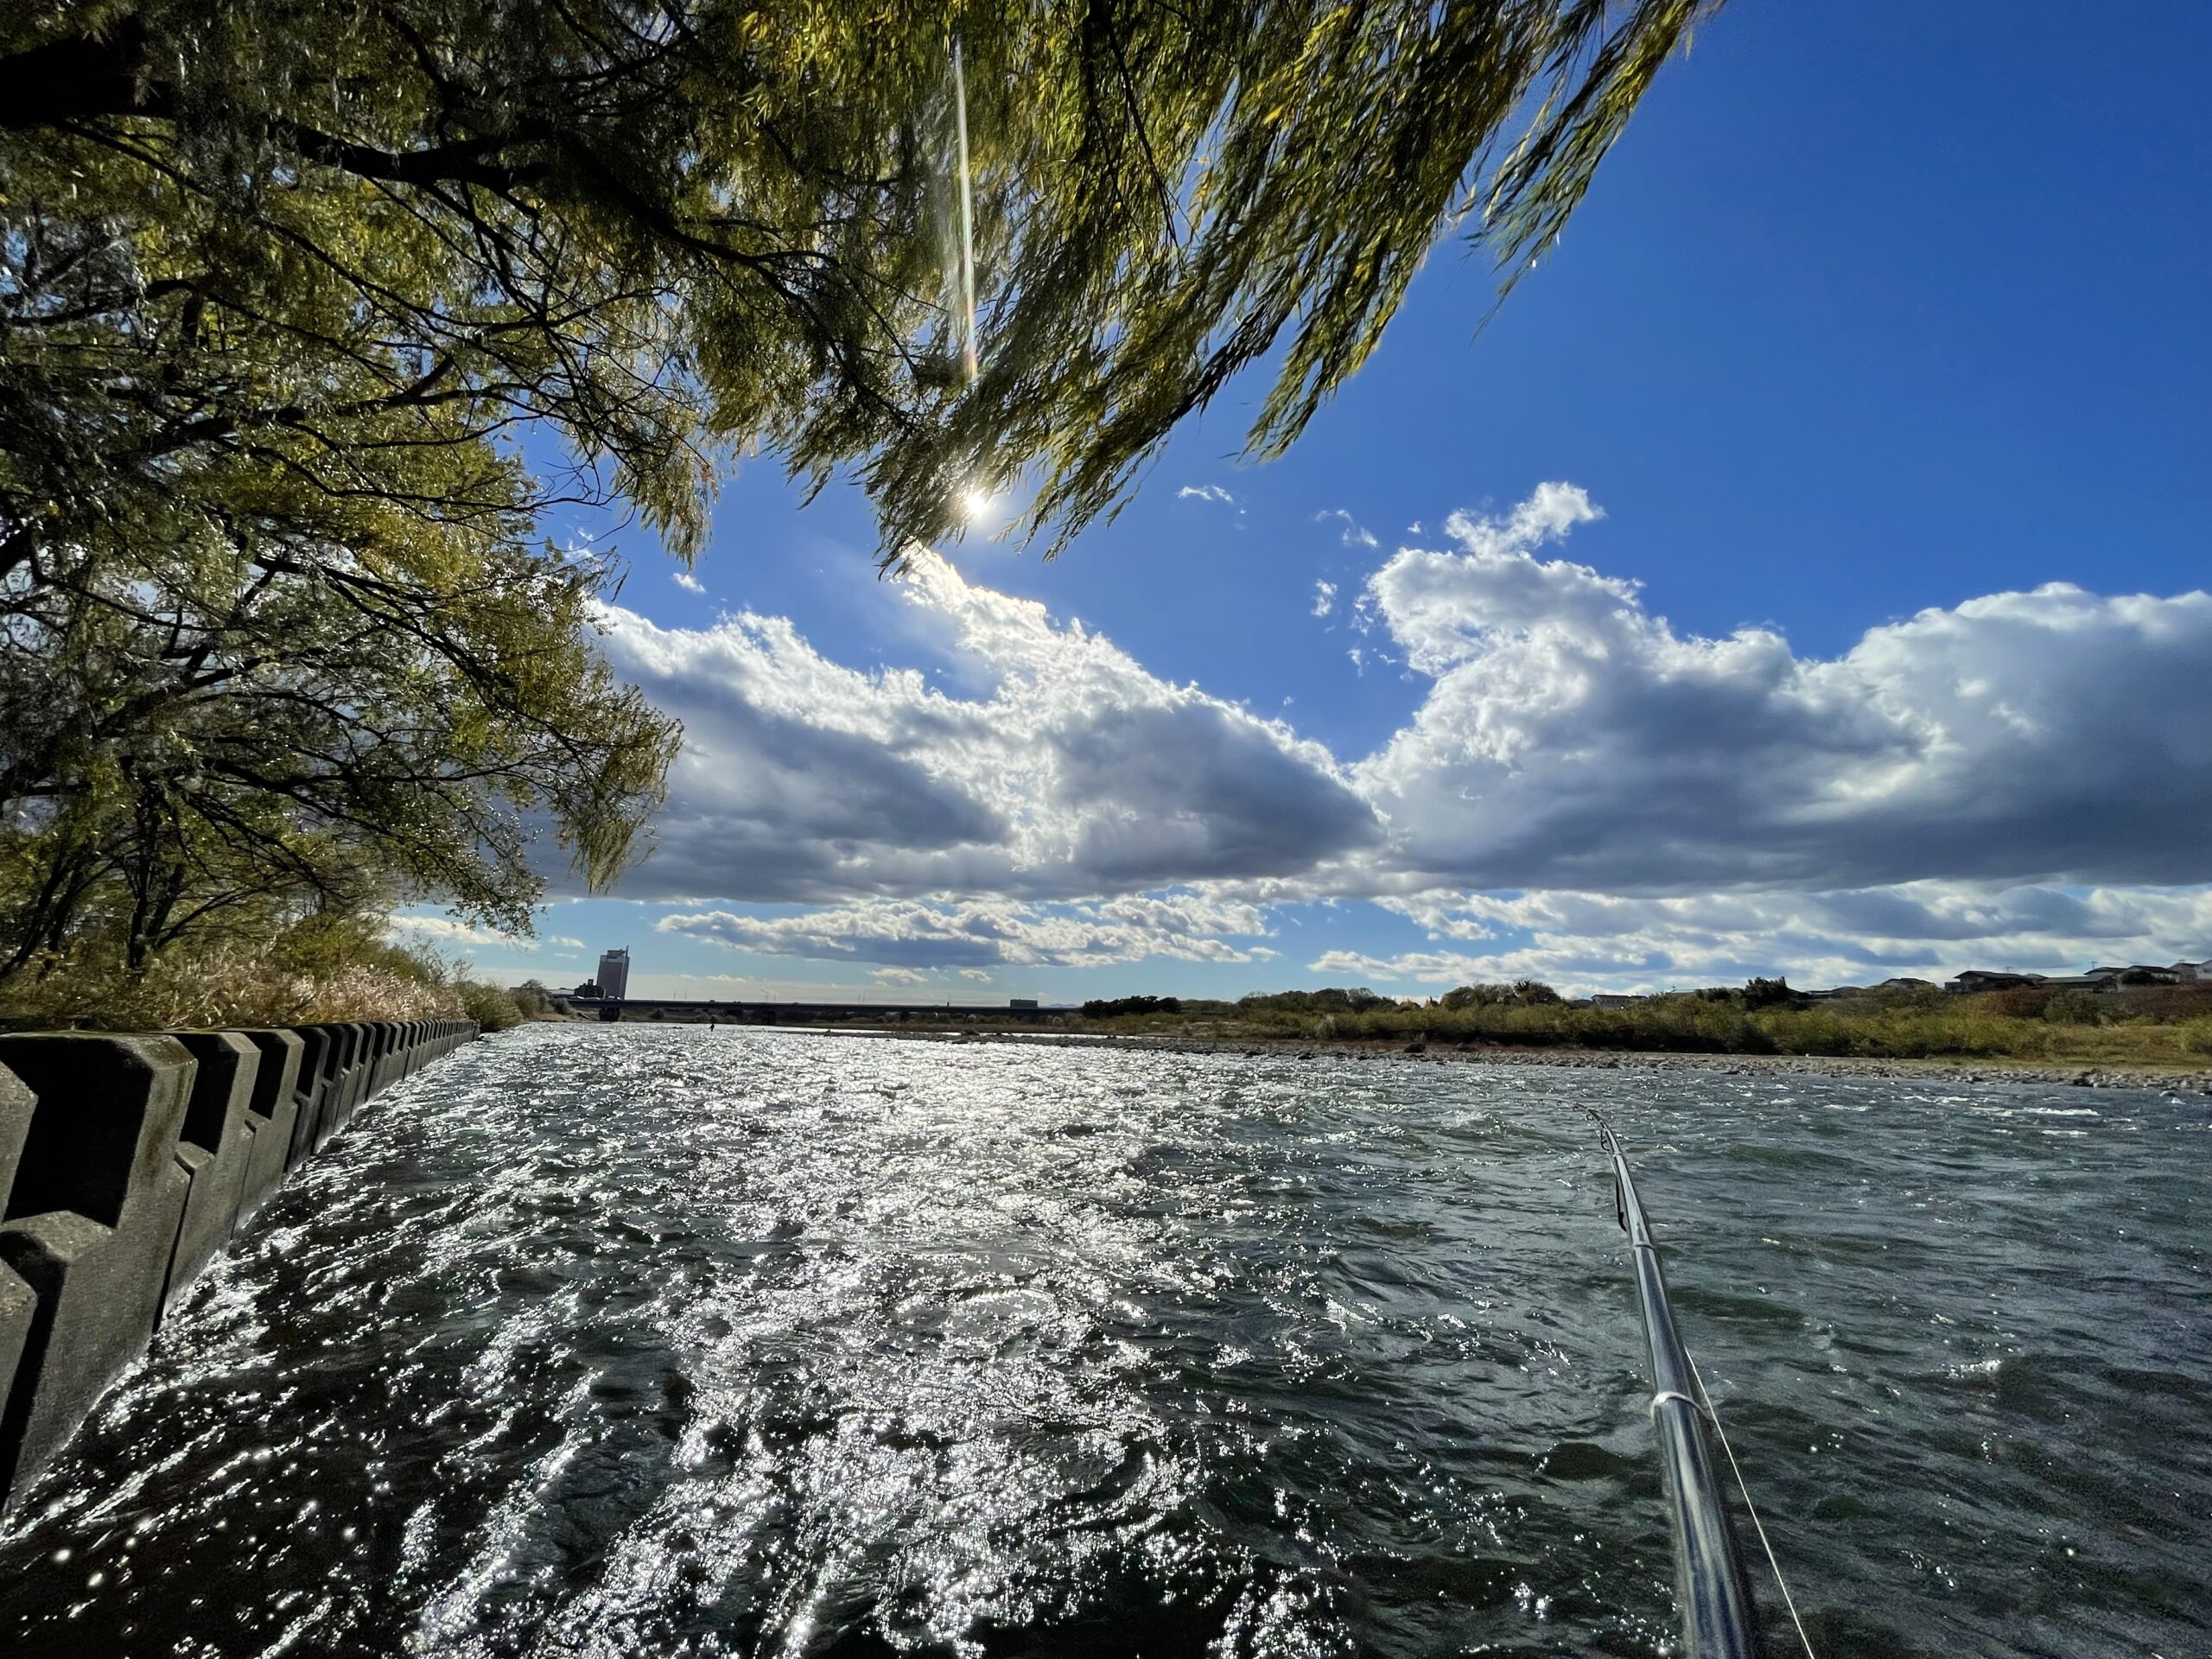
315,967
2168,1026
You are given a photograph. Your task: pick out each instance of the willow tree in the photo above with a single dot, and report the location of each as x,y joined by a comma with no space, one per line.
283,281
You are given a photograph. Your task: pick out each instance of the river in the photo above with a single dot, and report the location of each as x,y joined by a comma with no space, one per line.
614,1340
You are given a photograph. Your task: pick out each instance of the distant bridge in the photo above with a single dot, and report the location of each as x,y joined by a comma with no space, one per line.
738,1013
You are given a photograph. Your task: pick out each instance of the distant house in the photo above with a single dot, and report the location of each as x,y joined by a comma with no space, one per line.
2145,973
1976,981
1613,1000
2100,978
2136,973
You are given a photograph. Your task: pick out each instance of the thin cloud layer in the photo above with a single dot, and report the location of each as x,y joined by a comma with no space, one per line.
1349,530
1859,937
906,936
448,931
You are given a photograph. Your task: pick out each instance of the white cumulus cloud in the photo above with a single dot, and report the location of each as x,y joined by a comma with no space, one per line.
1571,739
1583,793
1078,774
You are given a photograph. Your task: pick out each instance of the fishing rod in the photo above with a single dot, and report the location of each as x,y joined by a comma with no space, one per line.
1718,1619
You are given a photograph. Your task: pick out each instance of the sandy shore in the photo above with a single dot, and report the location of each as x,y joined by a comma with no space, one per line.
2195,1080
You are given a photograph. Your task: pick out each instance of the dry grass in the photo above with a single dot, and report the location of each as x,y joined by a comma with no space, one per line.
317,969
223,988
2178,1032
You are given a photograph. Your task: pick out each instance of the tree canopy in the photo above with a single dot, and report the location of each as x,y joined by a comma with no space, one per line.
283,284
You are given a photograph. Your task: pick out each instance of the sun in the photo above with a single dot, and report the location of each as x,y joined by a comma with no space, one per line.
976,504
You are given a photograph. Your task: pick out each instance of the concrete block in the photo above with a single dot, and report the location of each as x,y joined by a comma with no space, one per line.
377,1061
345,1083
364,1072
385,1045
17,1304
270,1113
318,1056
18,1307
16,1105
91,1223
215,1147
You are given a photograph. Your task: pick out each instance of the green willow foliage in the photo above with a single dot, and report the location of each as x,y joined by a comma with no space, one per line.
281,283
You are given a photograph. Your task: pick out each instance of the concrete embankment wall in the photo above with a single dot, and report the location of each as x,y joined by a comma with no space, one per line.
127,1163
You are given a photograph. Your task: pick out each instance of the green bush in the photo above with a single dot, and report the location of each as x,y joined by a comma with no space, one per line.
534,1000
1768,993
488,1006
2075,1008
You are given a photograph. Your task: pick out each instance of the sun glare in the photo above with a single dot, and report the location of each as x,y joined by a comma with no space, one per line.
976,504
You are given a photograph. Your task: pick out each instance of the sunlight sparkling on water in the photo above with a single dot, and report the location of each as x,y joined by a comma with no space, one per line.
603,1341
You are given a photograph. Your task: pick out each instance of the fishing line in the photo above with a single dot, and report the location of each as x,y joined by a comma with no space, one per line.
1705,1404
968,355
1702,1405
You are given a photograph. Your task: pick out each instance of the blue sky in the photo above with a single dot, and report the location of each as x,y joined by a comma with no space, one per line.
1742,656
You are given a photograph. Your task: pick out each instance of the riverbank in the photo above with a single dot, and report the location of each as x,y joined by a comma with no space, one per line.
2178,1079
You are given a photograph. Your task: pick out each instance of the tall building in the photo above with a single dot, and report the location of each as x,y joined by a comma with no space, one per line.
614,974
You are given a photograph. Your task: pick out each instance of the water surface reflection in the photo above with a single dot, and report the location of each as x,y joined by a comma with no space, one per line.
612,1340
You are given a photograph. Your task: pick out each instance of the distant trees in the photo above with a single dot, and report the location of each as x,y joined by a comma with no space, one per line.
534,1001
1112,1007
283,286
1329,1000
1521,994
2159,1024
1768,993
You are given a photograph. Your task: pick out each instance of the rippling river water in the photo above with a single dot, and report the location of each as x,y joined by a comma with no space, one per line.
624,1340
